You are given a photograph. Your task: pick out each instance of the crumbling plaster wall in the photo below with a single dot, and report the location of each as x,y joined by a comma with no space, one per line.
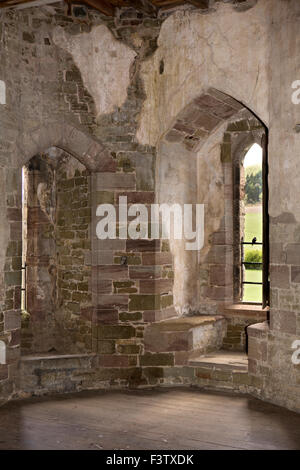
226,50
103,62
201,51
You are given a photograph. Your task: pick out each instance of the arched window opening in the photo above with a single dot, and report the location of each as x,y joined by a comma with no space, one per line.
252,225
56,247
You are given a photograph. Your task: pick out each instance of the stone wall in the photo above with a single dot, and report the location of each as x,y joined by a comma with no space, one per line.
271,354
48,99
55,99
74,275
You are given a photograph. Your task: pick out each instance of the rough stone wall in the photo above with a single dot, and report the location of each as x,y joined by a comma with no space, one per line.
228,50
73,257
48,94
271,353
131,279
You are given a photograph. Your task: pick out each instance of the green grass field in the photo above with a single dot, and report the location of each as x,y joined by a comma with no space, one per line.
253,228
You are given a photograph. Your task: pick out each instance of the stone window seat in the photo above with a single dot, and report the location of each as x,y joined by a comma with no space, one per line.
193,334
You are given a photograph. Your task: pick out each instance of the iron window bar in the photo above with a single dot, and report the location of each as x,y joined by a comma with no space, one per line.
23,287
247,263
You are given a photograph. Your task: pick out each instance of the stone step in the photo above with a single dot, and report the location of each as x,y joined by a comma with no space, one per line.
222,360
194,334
223,370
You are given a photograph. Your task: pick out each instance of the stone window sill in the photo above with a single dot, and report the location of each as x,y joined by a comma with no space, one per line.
252,311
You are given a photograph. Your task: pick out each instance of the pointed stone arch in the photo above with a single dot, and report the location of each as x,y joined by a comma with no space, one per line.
202,117
87,149
183,153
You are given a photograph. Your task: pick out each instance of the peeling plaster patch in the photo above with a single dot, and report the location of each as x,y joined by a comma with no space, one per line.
104,64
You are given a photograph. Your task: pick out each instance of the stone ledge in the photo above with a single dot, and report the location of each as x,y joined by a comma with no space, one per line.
258,330
246,310
223,360
44,357
186,323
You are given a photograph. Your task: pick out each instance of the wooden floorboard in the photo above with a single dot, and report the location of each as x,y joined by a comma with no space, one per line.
156,419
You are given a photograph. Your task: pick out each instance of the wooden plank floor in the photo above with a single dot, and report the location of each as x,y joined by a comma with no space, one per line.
156,419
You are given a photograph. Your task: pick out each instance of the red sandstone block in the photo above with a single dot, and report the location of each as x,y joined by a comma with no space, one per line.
113,361
108,245
183,127
103,286
142,245
209,104
105,164
159,258
113,271
106,316
137,197
158,286
87,313
149,316
206,121
112,301
142,272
